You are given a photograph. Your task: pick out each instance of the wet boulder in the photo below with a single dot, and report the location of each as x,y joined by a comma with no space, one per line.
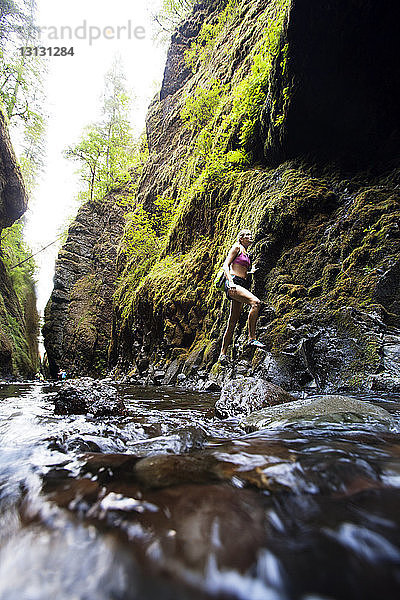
332,408
86,395
240,397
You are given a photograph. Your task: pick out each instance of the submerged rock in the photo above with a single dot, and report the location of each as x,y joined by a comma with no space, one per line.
312,408
243,396
173,530
86,395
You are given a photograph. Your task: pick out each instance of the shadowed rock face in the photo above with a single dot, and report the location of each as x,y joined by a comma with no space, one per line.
18,316
13,198
347,89
78,315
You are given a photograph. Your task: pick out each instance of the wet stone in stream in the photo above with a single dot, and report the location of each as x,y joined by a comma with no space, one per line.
197,507
320,409
180,514
87,395
242,396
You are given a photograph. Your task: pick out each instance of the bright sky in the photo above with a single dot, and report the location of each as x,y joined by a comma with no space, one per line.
74,88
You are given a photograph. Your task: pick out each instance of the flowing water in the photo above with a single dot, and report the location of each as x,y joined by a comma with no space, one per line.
301,510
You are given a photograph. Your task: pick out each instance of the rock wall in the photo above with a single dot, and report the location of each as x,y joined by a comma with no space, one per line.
78,315
13,198
18,315
279,115
293,132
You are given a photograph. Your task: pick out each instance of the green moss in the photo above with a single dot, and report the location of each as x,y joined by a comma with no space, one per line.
366,347
223,119
216,369
18,314
318,247
201,50
226,118
176,277
14,330
200,107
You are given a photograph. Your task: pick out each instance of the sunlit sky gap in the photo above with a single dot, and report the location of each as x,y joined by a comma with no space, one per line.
74,89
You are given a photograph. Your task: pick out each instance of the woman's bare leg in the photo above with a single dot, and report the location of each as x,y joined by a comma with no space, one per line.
234,313
252,318
240,294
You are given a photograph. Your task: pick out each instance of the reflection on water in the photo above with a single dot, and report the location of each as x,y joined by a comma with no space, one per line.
173,503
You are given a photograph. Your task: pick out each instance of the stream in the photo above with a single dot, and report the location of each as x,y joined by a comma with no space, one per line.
170,502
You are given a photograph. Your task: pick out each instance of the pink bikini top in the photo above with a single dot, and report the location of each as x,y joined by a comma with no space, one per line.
243,260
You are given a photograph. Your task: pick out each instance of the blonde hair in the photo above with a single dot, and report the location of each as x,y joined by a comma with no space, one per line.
241,233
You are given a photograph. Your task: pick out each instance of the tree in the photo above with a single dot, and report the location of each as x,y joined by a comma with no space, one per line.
115,123
170,16
14,17
107,148
19,73
89,151
21,84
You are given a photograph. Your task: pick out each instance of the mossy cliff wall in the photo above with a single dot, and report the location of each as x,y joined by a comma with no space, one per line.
13,198
78,315
280,116
18,315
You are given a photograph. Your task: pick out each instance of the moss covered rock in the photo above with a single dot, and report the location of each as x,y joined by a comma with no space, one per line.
78,316
19,322
331,408
266,97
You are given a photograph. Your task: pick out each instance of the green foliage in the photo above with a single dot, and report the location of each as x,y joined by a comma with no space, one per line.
89,151
201,107
22,331
222,119
213,196
20,76
14,251
169,17
21,85
107,151
318,255
225,119
176,278
32,157
250,95
144,238
201,49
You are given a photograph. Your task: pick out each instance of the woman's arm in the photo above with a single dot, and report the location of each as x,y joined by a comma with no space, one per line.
232,254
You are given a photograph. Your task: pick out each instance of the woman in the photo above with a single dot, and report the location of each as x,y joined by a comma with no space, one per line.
236,267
